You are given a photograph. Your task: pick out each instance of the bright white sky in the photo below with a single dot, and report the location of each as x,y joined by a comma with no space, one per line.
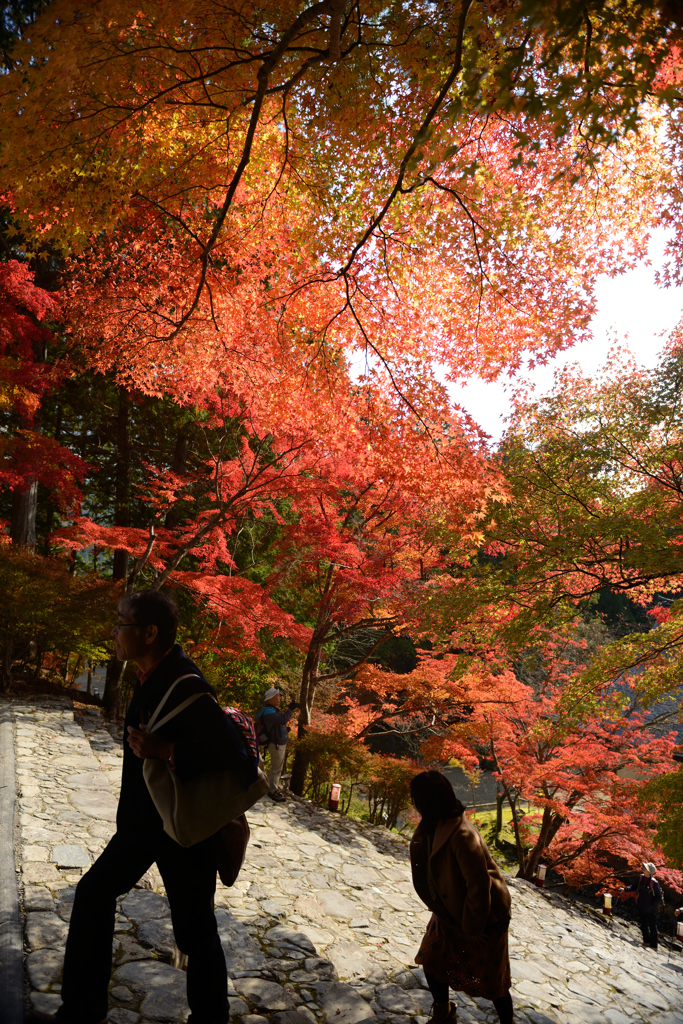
630,308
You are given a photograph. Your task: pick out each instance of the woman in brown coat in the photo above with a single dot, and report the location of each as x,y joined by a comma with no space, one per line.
465,946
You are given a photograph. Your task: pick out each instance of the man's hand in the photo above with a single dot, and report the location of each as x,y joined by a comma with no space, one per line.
144,744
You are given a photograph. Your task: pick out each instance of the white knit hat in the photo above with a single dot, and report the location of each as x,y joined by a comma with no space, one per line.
272,692
650,868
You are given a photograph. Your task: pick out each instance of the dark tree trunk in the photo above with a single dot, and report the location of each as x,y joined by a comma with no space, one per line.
111,698
50,517
179,466
500,797
309,681
7,654
122,517
123,478
24,511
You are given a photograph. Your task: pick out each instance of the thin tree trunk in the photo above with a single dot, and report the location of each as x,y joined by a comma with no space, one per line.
24,511
500,797
111,698
7,652
122,517
179,466
309,680
123,478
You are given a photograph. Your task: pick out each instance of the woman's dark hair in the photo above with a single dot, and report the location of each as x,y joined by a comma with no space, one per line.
152,608
433,796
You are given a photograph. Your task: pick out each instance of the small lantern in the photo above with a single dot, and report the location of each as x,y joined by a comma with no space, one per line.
607,904
540,876
679,931
333,803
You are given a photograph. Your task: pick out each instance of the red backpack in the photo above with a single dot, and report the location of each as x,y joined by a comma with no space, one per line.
246,726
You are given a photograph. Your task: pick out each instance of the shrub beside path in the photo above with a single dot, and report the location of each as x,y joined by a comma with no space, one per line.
322,925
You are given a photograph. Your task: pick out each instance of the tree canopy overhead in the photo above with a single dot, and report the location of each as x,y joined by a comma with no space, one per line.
279,233
282,185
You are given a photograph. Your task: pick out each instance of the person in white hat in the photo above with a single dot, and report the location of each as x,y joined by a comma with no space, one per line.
271,726
650,897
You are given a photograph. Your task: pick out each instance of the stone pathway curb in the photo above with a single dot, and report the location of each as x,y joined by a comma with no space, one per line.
11,943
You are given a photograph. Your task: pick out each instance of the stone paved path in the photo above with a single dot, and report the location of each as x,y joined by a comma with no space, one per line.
322,924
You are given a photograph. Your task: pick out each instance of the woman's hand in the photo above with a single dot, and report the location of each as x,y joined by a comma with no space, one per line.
146,744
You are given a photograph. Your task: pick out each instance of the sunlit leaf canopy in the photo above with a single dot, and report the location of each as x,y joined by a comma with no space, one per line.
287,185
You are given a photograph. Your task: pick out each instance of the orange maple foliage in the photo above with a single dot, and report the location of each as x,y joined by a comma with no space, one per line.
26,455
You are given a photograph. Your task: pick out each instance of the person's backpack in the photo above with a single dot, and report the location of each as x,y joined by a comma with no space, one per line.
261,731
650,884
246,726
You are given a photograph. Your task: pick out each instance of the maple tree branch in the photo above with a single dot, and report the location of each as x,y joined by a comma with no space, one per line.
419,138
263,77
345,672
142,561
386,366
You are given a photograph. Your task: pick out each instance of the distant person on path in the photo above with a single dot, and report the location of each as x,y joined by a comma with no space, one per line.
465,946
650,898
271,726
199,739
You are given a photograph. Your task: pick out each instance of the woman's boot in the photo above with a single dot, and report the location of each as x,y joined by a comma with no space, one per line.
442,1012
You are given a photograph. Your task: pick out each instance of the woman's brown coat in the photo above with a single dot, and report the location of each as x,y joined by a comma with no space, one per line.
467,886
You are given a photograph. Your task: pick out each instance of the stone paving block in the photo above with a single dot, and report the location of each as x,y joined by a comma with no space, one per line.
161,987
324,969
351,961
319,880
158,935
237,1007
122,994
86,762
335,905
121,1015
70,857
341,1004
46,1002
35,853
523,969
281,933
44,967
395,999
65,902
356,874
96,803
37,871
142,905
573,1010
131,950
299,1016
87,780
264,995
302,977
273,909
36,897
616,1017
45,929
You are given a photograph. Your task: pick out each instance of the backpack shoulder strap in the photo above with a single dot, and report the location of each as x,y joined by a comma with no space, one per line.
151,727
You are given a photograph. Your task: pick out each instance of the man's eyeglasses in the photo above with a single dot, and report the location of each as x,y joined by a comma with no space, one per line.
119,625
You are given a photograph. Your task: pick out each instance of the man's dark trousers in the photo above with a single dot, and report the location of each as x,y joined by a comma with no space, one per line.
189,875
648,926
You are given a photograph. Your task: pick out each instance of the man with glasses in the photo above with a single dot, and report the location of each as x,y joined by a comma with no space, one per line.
199,739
